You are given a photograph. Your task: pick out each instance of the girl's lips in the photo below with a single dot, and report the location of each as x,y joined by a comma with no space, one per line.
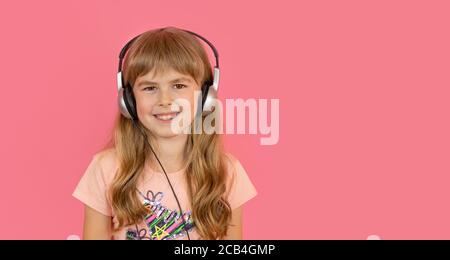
166,117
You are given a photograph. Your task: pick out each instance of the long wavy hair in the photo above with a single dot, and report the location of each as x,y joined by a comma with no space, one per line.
204,157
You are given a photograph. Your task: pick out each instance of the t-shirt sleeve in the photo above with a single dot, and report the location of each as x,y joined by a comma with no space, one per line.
240,187
92,188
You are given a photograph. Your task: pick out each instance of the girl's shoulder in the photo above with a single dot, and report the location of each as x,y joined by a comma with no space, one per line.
239,187
232,163
106,163
106,156
233,167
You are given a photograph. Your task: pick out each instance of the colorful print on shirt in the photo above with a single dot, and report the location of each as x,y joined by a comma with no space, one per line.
161,222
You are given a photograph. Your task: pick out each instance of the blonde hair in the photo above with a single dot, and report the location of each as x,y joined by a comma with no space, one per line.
156,50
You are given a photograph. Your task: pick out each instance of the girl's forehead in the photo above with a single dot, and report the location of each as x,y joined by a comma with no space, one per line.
165,75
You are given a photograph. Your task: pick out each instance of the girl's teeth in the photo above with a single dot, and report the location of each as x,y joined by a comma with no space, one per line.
166,117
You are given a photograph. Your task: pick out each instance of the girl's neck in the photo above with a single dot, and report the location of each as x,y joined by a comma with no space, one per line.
170,152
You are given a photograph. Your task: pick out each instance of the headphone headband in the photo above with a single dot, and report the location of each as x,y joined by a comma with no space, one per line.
130,42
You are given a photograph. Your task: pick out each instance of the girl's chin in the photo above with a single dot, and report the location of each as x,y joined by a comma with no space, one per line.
163,131
166,135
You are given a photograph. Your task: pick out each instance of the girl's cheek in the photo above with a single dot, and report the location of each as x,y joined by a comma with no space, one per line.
187,97
148,101
145,107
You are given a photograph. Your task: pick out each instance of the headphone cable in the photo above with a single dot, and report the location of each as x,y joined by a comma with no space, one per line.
167,177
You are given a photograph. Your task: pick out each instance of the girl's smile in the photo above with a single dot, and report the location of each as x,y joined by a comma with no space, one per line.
166,118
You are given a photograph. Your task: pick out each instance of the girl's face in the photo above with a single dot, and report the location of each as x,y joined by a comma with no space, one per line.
158,100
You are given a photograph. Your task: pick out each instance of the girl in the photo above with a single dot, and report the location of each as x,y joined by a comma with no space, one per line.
200,191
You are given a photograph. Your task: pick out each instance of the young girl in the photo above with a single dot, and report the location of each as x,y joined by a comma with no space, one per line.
152,182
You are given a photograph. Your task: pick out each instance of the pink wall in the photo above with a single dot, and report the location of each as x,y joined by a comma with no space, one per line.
364,111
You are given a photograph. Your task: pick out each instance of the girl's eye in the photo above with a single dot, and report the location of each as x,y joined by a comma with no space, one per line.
151,88
179,86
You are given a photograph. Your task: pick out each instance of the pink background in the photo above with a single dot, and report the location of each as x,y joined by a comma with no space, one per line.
364,111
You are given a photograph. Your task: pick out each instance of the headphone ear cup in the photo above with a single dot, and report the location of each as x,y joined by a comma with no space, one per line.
208,98
121,102
130,102
205,90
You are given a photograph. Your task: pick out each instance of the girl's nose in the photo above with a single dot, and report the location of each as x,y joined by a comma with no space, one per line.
165,98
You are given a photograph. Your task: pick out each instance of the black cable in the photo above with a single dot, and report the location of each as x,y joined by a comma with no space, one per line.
167,177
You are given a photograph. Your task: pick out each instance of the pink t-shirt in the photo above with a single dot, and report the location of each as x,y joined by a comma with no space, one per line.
155,192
